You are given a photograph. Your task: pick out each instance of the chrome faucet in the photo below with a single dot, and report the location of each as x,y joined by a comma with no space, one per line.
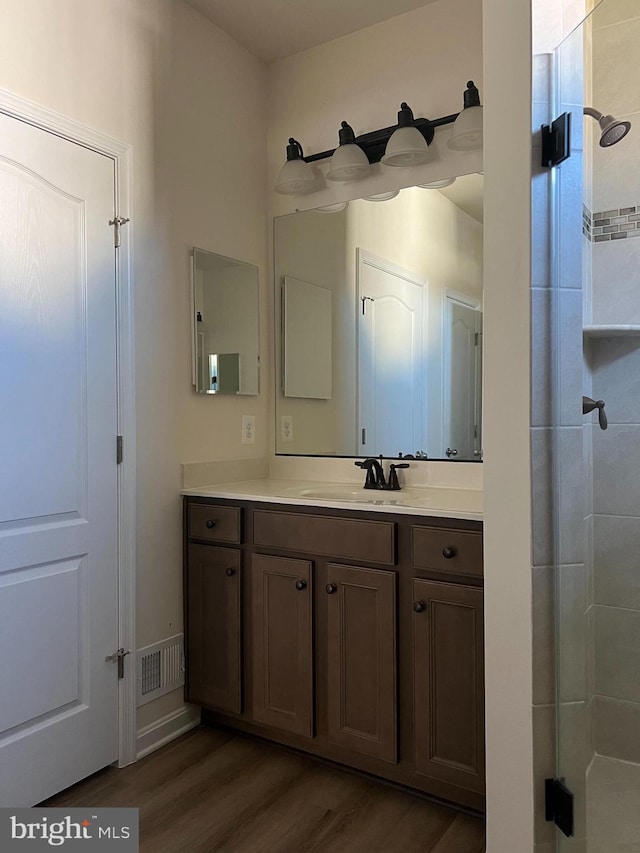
375,478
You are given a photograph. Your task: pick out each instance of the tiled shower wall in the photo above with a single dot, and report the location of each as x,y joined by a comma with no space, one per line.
614,372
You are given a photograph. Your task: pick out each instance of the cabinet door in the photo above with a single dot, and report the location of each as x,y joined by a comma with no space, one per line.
448,661
214,674
361,653
282,643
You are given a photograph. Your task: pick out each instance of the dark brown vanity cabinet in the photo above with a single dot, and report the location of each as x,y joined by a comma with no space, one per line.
355,636
281,643
448,683
361,660
214,636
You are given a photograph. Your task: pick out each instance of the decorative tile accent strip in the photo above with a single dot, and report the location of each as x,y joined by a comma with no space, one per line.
610,225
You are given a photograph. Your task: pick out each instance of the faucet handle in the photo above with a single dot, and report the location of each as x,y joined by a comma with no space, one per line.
394,484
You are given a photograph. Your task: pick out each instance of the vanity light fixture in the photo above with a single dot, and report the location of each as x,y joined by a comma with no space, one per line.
437,185
407,146
338,207
467,129
348,162
382,196
403,144
296,176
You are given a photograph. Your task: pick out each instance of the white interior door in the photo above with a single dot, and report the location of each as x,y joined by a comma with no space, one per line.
58,488
462,377
390,359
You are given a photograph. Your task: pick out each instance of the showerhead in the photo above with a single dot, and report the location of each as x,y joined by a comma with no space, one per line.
613,129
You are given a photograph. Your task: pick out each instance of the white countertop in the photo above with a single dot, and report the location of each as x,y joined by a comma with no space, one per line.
429,501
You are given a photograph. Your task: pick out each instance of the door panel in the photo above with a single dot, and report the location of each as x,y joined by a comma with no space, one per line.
390,359
214,595
361,637
462,377
283,643
449,683
58,495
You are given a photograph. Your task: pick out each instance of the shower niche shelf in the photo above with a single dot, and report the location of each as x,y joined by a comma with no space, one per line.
611,331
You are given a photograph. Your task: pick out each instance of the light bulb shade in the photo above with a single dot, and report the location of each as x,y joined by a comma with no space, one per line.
467,130
348,163
382,196
438,185
407,147
295,178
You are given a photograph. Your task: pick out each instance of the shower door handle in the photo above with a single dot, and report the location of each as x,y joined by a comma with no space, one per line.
588,405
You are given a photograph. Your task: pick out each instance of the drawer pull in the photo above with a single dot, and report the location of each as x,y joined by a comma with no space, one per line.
300,585
229,572
331,588
448,553
210,523
419,606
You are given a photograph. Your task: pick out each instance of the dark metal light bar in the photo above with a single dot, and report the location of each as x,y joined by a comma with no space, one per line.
374,143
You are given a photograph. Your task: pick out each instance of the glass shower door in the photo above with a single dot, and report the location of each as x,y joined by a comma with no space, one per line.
596,298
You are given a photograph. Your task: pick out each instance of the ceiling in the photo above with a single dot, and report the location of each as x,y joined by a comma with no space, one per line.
272,29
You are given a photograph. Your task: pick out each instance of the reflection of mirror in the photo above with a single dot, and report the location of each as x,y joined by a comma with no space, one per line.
225,325
401,354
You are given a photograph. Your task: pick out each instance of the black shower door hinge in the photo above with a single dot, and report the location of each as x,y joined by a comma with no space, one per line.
558,805
556,141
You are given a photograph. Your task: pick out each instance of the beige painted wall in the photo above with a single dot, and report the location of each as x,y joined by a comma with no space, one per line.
154,74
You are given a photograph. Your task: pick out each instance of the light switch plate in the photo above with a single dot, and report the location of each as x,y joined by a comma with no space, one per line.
248,429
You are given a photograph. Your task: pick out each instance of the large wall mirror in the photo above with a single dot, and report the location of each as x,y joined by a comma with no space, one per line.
379,326
225,325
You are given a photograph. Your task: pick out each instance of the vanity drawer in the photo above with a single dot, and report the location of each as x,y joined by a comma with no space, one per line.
454,551
214,523
343,538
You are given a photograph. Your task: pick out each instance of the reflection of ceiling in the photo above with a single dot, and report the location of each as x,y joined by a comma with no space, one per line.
272,29
466,193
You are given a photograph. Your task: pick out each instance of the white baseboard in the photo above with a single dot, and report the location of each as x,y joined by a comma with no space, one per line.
166,729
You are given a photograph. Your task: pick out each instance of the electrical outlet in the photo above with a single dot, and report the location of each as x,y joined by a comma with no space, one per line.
248,429
286,428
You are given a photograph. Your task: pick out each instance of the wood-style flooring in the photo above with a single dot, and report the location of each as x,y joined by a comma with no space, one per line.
212,790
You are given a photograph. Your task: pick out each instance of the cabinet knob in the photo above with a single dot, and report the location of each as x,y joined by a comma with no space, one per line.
229,572
301,585
331,588
448,553
419,606
209,523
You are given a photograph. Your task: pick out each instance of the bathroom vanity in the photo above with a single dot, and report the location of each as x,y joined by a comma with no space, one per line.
352,632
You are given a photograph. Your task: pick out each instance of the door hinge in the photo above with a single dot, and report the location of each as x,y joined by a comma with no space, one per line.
118,657
364,300
556,141
477,337
558,805
119,449
118,222
364,436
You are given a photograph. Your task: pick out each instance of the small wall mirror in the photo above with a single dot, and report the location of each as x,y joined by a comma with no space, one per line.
225,325
380,325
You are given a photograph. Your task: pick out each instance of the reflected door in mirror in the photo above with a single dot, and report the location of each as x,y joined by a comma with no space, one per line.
390,365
